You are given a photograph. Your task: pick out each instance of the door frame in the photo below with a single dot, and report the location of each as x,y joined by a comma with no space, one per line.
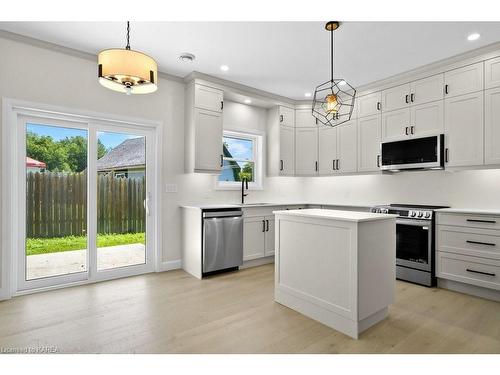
11,110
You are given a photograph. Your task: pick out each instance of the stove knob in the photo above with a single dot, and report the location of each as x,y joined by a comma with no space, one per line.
420,214
427,215
412,213
385,211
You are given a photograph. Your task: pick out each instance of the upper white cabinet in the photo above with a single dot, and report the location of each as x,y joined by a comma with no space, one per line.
370,104
286,116
369,138
280,141
427,89
327,150
203,129
306,151
463,80
304,118
464,130
396,97
395,124
347,151
492,126
208,98
492,73
427,119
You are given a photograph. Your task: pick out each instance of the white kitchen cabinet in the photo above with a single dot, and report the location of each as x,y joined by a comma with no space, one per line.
327,150
427,89
427,119
253,237
464,130
306,151
492,126
203,129
286,116
304,118
396,125
370,104
280,143
258,237
396,97
492,73
208,98
347,147
463,80
369,138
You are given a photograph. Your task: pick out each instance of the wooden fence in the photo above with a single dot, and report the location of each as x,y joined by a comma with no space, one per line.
56,204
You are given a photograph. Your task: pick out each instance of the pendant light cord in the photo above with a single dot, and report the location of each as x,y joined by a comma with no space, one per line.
128,35
331,52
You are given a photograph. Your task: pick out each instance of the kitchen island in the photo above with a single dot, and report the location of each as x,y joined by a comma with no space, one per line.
337,267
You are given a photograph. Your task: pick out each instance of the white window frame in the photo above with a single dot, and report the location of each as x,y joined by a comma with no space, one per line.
258,140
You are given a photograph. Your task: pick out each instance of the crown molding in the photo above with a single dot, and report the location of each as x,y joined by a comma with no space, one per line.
67,50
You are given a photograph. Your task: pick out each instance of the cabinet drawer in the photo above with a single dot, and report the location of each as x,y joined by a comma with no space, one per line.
473,242
471,270
471,221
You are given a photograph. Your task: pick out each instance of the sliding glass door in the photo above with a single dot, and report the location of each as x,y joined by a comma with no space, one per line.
86,189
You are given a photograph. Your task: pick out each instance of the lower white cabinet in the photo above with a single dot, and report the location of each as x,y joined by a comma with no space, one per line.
464,130
492,126
369,138
258,237
306,151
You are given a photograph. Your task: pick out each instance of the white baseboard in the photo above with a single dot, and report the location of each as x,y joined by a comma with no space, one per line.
257,262
473,290
170,265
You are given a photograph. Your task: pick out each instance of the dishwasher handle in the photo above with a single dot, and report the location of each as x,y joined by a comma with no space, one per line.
222,214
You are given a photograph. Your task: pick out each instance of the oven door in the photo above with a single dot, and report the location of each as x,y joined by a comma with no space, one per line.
414,244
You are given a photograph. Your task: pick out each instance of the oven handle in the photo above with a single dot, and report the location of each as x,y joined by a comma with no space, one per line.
416,223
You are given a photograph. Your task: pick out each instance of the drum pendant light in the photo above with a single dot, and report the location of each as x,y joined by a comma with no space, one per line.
126,70
333,101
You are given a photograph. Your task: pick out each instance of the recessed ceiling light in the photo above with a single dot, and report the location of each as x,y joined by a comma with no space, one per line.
474,36
248,101
342,83
307,94
187,57
224,68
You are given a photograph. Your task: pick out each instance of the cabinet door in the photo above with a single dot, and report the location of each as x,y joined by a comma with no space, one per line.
427,119
347,147
369,104
327,150
396,97
464,129
304,118
269,236
208,142
395,125
287,116
287,145
208,98
492,126
369,138
306,151
464,80
492,73
253,237
427,89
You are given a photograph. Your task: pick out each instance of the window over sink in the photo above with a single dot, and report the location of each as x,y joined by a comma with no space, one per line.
242,159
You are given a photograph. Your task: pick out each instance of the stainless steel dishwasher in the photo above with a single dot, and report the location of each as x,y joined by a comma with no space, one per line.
222,240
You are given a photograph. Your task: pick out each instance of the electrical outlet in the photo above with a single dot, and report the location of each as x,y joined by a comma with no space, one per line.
171,188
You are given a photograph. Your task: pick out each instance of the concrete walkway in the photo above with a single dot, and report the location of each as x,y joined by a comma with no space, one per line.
43,265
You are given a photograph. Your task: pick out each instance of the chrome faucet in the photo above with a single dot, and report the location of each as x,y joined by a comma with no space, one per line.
244,185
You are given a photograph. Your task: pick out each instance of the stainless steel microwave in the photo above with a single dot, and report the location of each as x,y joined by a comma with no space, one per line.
413,153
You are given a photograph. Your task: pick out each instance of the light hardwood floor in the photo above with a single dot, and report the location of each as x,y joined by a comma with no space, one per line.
172,312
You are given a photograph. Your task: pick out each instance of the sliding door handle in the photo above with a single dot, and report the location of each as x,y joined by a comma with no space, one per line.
222,160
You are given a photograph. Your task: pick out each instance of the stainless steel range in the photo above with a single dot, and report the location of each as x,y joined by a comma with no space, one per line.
415,241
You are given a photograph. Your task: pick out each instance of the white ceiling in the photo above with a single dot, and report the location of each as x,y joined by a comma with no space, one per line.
284,58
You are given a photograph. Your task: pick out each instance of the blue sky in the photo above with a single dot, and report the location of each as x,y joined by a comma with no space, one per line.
110,140
239,148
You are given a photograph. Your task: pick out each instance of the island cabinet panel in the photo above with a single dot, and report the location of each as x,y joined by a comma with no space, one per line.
336,267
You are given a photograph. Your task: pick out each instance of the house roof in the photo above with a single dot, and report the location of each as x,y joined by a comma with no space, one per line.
35,163
129,153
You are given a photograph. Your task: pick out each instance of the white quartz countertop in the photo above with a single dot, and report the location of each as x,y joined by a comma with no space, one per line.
474,211
274,204
336,214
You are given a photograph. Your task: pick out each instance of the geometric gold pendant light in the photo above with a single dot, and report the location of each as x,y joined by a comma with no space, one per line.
128,71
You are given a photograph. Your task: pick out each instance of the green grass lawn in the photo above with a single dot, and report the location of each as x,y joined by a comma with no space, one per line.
56,245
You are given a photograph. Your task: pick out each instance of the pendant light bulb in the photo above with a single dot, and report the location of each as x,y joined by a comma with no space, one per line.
331,103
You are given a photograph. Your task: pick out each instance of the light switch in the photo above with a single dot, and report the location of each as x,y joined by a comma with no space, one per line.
171,188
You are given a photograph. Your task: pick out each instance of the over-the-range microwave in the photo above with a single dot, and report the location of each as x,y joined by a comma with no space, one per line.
413,153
